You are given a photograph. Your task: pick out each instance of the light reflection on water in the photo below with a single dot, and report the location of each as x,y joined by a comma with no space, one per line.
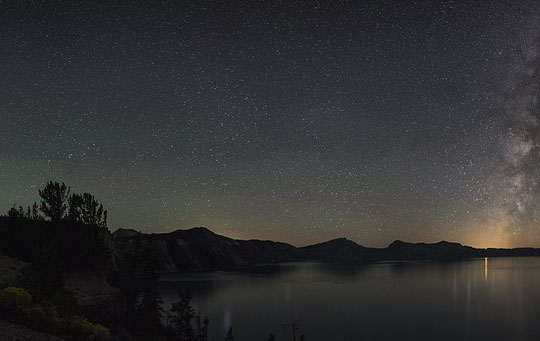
485,269
495,298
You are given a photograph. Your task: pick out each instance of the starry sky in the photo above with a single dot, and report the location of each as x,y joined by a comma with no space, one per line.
298,121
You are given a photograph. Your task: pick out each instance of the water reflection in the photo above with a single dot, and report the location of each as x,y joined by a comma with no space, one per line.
416,301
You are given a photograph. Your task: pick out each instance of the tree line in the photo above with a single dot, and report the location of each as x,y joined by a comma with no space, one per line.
58,204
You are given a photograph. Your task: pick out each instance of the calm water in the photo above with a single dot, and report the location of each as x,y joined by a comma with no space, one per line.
495,299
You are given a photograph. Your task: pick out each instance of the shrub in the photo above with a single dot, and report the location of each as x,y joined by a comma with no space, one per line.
83,329
42,318
46,319
14,301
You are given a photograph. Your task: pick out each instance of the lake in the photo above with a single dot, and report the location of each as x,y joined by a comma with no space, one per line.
495,299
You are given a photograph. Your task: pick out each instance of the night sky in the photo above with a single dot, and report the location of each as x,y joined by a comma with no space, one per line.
297,121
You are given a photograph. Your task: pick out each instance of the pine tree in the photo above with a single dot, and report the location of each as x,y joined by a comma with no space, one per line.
87,210
54,197
183,314
148,312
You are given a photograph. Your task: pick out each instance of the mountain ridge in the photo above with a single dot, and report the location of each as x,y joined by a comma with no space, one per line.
200,249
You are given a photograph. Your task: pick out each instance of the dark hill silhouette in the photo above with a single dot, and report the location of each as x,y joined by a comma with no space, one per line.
442,250
340,250
199,249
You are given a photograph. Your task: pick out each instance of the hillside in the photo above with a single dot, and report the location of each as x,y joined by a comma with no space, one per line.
339,250
199,249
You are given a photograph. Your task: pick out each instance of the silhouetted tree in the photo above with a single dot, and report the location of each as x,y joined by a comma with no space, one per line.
294,329
148,312
202,328
16,213
271,337
183,314
138,262
180,317
54,197
74,207
229,336
32,212
85,209
35,212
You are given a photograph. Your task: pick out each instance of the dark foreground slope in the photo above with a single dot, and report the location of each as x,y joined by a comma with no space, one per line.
199,249
16,332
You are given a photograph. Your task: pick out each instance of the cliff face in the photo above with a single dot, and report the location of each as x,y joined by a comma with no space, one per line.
199,249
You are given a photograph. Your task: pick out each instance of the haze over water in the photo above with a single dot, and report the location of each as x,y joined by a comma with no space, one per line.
495,298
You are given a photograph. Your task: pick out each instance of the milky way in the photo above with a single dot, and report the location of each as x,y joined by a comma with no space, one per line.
295,121
517,182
